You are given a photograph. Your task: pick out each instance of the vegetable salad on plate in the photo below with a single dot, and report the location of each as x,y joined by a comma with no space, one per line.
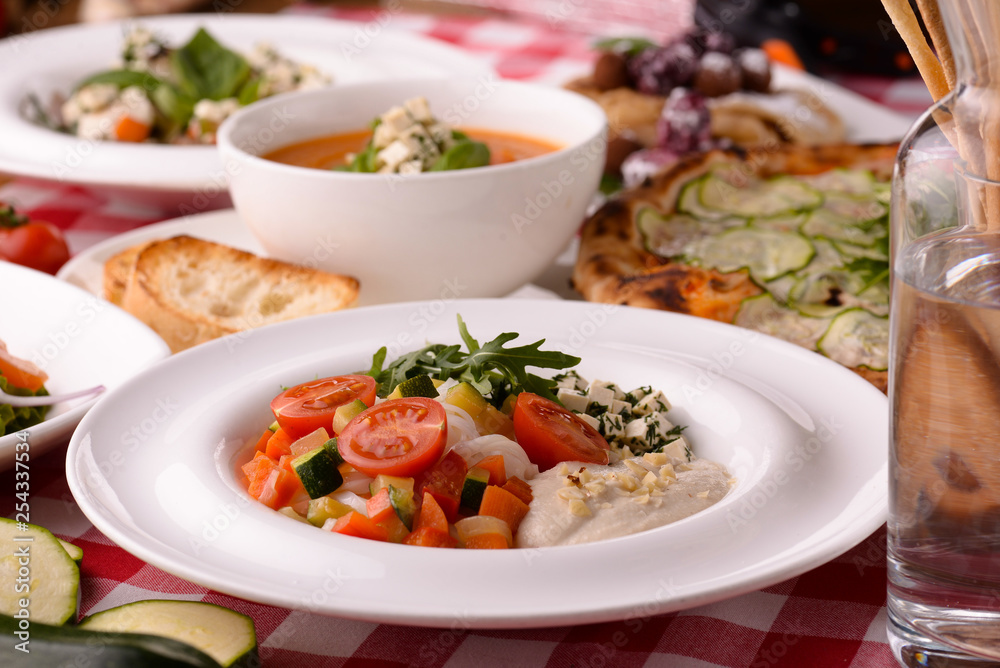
20,377
158,93
446,447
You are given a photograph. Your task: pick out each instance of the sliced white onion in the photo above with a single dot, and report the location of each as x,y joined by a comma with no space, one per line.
515,459
357,482
351,499
461,426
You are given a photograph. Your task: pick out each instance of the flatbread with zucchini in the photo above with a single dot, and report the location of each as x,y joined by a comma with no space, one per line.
791,242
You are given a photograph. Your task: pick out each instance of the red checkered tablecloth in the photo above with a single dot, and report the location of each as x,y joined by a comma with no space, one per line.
832,616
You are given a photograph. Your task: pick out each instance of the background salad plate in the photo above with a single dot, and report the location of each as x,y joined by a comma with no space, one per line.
53,61
78,340
805,439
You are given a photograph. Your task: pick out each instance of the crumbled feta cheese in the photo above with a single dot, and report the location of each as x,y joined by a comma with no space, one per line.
611,425
572,399
591,420
617,391
620,407
600,395
651,403
419,110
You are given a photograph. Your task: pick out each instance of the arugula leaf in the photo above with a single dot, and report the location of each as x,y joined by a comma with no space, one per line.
495,370
463,155
204,68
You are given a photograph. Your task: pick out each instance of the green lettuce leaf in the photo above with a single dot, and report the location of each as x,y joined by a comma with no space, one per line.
15,419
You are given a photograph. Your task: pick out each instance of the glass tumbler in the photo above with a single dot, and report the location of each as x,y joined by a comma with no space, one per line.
944,385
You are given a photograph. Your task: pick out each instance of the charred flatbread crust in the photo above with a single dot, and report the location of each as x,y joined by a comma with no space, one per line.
748,119
614,267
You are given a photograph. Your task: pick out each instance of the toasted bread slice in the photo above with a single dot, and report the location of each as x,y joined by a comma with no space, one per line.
190,290
117,271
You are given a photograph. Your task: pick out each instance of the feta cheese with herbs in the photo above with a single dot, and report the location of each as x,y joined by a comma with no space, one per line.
279,74
634,420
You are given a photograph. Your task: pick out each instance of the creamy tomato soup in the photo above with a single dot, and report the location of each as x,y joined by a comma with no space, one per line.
332,151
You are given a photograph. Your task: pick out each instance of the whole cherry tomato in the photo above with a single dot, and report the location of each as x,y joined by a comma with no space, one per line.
32,243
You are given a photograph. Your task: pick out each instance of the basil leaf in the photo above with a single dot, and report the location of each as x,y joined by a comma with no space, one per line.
122,79
173,104
204,69
250,92
463,155
364,162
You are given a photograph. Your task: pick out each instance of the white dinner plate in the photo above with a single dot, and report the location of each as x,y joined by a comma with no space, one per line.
78,340
52,61
805,439
86,269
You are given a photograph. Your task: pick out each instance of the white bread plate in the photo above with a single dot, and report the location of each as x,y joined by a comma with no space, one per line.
185,179
79,340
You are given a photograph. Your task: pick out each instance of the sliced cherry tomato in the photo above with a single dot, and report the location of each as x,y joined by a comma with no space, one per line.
35,244
303,409
401,437
551,434
19,372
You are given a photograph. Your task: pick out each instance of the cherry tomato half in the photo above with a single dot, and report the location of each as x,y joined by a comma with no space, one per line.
34,244
303,409
400,437
551,434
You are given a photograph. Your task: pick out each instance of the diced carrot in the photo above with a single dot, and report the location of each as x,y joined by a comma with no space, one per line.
272,485
430,515
498,502
20,372
129,129
519,488
262,441
279,444
430,537
251,466
356,524
494,464
379,506
487,541
285,462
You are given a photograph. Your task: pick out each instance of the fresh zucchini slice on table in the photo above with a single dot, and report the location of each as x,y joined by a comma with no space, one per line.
223,634
857,338
53,646
50,578
75,553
